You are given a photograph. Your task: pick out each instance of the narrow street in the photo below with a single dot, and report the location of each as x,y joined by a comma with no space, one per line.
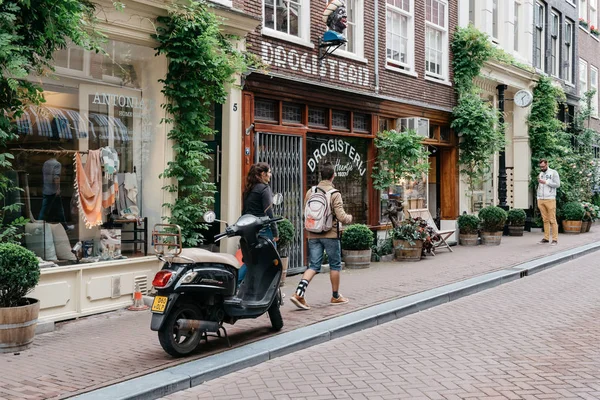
535,338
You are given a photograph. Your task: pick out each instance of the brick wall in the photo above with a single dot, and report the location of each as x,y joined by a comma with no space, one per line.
297,61
589,50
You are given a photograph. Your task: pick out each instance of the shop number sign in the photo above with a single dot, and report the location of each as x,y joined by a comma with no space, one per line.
338,147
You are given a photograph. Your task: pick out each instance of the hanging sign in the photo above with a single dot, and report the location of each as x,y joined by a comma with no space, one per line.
347,160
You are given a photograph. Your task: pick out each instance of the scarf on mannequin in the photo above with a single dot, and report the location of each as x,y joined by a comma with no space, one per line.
88,185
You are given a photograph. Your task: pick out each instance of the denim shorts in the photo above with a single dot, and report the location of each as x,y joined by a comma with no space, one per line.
331,247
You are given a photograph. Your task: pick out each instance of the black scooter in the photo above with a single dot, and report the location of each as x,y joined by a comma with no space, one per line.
198,291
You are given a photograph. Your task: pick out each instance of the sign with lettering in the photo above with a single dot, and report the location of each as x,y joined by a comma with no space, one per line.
309,64
333,147
110,99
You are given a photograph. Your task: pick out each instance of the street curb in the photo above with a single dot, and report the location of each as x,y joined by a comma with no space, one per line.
185,376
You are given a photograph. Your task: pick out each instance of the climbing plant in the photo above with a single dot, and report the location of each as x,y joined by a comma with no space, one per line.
476,121
202,61
30,33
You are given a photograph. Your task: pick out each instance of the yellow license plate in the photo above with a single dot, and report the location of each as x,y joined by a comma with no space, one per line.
159,304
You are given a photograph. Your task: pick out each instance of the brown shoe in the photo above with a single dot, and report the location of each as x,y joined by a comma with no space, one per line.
554,243
340,300
544,241
299,302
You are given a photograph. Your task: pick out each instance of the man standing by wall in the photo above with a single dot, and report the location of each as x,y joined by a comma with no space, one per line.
327,242
548,182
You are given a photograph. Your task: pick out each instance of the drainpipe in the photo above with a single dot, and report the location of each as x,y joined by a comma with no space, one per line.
502,158
376,37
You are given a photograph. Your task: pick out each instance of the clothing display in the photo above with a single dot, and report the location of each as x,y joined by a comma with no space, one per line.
110,184
88,185
127,196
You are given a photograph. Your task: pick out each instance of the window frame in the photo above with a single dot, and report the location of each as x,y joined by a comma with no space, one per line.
583,11
593,13
570,50
555,44
429,25
409,66
303,37
594,85
540,29
518,7
359,33
495,20
583,67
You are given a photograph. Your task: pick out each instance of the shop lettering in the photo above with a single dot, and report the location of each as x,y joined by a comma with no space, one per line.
309,64
118,100
338,146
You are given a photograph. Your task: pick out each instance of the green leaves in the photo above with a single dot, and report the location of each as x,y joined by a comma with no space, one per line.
19,273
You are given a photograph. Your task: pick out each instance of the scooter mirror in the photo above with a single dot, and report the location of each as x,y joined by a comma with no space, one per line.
209,217
277,199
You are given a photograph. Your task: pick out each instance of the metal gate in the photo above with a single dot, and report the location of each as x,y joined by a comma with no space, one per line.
284,154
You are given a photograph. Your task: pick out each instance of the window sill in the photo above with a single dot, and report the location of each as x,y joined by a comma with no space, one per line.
596,38
571,4
569,84
402,71
226,3
288,38
595,116
584,29
351,56
440,81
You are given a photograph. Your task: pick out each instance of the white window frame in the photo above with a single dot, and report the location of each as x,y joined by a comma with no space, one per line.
593,14
555,44
303,37
569,39
409,66
541,27
443,30
583,12
495,20
518,6
594,85
359,33
583,79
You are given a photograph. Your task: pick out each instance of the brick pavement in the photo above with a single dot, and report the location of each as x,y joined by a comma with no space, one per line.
535,338
94,352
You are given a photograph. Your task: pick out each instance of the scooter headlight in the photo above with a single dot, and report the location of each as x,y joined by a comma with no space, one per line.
189,277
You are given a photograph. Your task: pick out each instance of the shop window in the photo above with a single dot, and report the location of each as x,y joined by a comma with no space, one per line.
340,120
265,110
349,156
84,116
292,113
317,117
361,123
420,125
386,124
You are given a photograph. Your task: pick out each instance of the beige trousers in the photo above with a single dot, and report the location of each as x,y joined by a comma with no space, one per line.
548,210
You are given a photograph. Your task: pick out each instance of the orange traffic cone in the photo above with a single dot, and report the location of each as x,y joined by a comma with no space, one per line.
138,301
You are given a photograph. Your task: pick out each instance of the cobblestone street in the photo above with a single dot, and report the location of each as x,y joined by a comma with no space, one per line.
535,338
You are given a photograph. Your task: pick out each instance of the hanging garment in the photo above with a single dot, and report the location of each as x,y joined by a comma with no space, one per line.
110,183
88,185
130,184
127,198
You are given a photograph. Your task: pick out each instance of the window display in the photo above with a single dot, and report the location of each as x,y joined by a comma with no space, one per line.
80,155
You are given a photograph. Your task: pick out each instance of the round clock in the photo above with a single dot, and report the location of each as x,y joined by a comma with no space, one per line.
523,98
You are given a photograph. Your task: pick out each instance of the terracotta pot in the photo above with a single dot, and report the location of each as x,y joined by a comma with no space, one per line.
491,238
468,239
572,227
404,251
285,261
515,230
17,326
357,259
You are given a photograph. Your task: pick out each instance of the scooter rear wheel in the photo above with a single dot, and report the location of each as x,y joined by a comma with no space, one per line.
275,315
174,342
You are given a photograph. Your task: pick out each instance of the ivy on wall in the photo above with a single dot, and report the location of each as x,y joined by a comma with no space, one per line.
202,61
475,120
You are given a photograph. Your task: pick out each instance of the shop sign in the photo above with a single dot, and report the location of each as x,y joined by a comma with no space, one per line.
117,100
309,64
338,147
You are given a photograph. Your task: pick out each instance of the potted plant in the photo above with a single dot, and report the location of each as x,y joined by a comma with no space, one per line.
468,226
516,221
591,215
19,274
572,214
286,236
492,224
583,23
357,240
408,240
383,250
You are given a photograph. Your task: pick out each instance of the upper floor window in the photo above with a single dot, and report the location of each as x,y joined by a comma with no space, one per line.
354,28
594,86
436,38
538,38
555,44
472,11
286,19
583,11
495,19
400,35
594,13
583,81
569,39
516,24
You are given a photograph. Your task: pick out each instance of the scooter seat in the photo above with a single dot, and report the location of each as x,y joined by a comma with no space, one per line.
204,256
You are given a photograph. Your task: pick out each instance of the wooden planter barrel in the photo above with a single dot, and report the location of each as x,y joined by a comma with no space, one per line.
404,251
491,238
515,230
572,227
17,326
468,239
585,226
357,259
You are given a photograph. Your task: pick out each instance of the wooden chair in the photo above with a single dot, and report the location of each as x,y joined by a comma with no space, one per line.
424,214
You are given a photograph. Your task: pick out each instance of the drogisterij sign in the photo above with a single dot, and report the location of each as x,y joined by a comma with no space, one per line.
309,64
340,147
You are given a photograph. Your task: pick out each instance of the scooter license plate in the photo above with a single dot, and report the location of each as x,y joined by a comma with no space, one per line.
159,304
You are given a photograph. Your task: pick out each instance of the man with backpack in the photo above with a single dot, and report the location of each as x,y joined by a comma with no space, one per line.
324,210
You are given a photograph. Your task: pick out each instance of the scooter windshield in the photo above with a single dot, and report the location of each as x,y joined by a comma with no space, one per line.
246,220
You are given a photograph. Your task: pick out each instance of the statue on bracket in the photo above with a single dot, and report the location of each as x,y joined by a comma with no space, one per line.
336,19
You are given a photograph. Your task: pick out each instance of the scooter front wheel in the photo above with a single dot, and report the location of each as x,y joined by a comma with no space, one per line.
174,342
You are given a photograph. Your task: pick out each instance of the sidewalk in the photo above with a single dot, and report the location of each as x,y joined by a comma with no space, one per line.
98,351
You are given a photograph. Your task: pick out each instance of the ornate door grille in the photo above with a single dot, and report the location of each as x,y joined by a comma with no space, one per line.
284,154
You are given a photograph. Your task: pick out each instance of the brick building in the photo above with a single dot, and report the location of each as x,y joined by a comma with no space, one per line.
394,72
589,55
